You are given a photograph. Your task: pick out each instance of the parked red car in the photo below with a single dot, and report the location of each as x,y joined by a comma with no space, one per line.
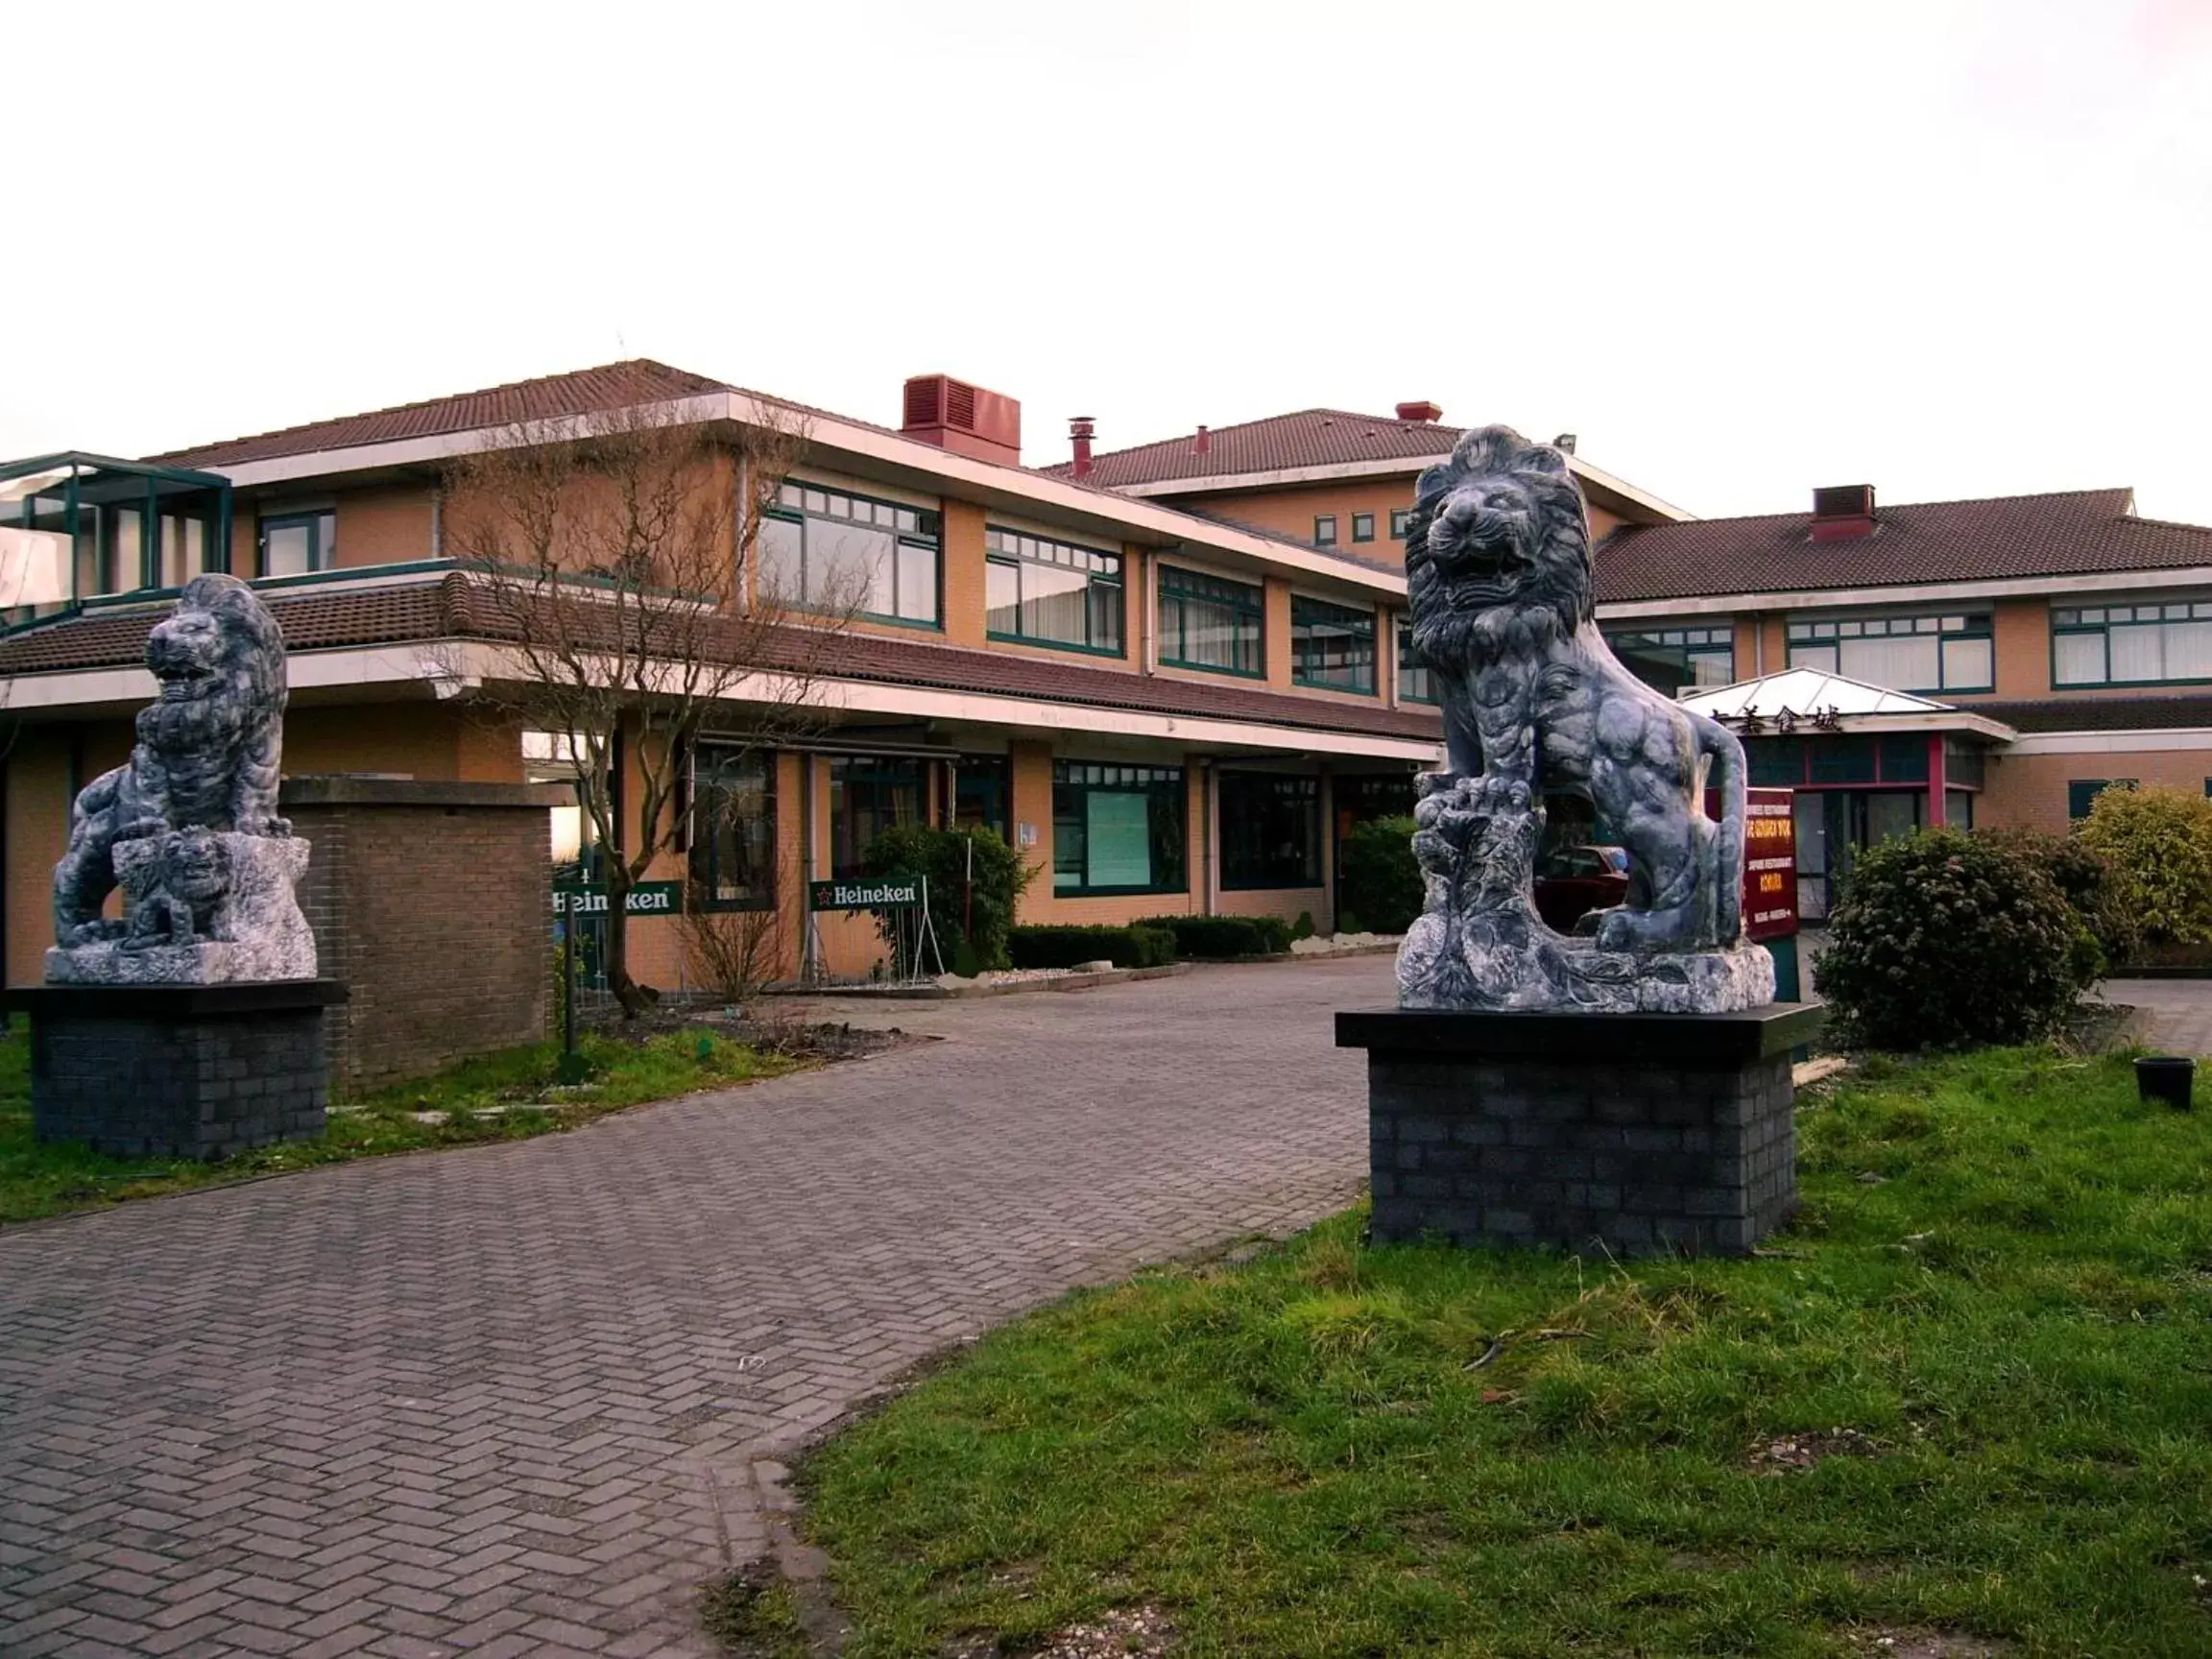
1572,882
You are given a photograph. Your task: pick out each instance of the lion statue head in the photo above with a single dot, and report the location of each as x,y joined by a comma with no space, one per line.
1497,538
195,866
219,658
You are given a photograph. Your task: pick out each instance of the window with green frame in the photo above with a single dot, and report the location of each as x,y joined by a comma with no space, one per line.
1270,830
1332,646
1325,530
732,829
1940,653
2081,793
2139,642
825,549
868,795
1400,517
1118,828
1205,622
295,544
1363,526
1417,682
1669,659
1044,591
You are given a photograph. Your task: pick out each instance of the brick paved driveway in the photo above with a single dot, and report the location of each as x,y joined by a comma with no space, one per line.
506,1400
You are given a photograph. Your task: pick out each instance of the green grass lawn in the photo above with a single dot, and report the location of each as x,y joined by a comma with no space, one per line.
2000,1286
51,1180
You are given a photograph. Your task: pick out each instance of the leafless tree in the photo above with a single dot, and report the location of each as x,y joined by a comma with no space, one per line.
614,590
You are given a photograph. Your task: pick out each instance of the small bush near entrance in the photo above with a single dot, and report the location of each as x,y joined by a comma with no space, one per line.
1136,945
1948,940
1218,938
1377,880
972,927
2158,843
2084,875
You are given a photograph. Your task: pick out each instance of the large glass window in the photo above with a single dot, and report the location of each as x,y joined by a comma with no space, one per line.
983,794
830,550
1116,828
2148,642
1416,681
1208,623
1669,659
1332,646
1051,592
1941,653
296,543
868,795
732,829
1270,830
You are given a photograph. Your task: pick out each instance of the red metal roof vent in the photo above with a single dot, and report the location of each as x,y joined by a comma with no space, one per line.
1842,512
1203,443
962,417
1081,429
1423,412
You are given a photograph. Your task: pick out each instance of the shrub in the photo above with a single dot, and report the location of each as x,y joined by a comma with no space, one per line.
1947,940
1348,920
2084,875
734,953
1378,879
972,930
1303,928
2158,844
1217,938
1136,945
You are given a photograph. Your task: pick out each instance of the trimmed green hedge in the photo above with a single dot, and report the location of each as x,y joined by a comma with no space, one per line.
1137,945
1214,938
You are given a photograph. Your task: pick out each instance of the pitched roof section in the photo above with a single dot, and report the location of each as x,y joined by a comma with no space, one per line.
2080,533
446,608
621,385
1308,438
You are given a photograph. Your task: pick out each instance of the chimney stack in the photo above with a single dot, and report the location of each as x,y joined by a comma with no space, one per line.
1564,443
1203,443
1080,428
1423,412
1842,512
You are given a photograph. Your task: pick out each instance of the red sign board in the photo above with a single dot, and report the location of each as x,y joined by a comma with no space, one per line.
1769,864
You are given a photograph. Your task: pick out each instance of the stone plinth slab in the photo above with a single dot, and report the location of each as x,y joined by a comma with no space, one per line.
178,1071
1633,1134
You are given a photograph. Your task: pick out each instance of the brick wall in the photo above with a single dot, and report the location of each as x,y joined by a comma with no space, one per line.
432,903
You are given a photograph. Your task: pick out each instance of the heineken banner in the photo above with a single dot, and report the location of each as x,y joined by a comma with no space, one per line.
896,893
647,899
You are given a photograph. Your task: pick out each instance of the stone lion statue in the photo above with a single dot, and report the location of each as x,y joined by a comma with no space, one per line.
208,754
184,904
1499,579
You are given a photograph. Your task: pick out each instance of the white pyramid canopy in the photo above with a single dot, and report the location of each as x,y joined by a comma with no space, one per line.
1806,691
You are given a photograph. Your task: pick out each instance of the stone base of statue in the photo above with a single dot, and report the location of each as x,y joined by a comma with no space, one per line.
197,1072
204,909
1632,1134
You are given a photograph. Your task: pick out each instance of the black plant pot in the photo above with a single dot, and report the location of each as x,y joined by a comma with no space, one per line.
2165,1077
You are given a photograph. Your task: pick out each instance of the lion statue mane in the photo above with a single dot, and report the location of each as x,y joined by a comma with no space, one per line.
1499,581
209,748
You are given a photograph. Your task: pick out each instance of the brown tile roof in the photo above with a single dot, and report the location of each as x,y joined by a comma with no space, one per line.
444,607
549,398
2084,532
1308,438
2184,706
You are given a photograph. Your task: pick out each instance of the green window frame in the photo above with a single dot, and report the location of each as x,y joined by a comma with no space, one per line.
306,541
1324,529
1961,650
1669,659
1400,517
868,795
1039,591
1416,680
732,828
822,549
1363,526
1209,623
1118,829
2148,641
2083,792
1332,646
1270,831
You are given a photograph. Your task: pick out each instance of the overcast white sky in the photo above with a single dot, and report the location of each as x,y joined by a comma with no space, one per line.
1952,250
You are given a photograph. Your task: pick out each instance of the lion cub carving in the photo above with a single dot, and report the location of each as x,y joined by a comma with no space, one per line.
1499,579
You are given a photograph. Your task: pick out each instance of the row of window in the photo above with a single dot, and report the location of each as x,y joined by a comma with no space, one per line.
1362,527
1117,828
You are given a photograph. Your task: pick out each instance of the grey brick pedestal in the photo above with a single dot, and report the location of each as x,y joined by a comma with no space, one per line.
1642,1133
179,1071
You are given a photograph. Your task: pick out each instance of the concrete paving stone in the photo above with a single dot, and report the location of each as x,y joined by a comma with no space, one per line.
285,1392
